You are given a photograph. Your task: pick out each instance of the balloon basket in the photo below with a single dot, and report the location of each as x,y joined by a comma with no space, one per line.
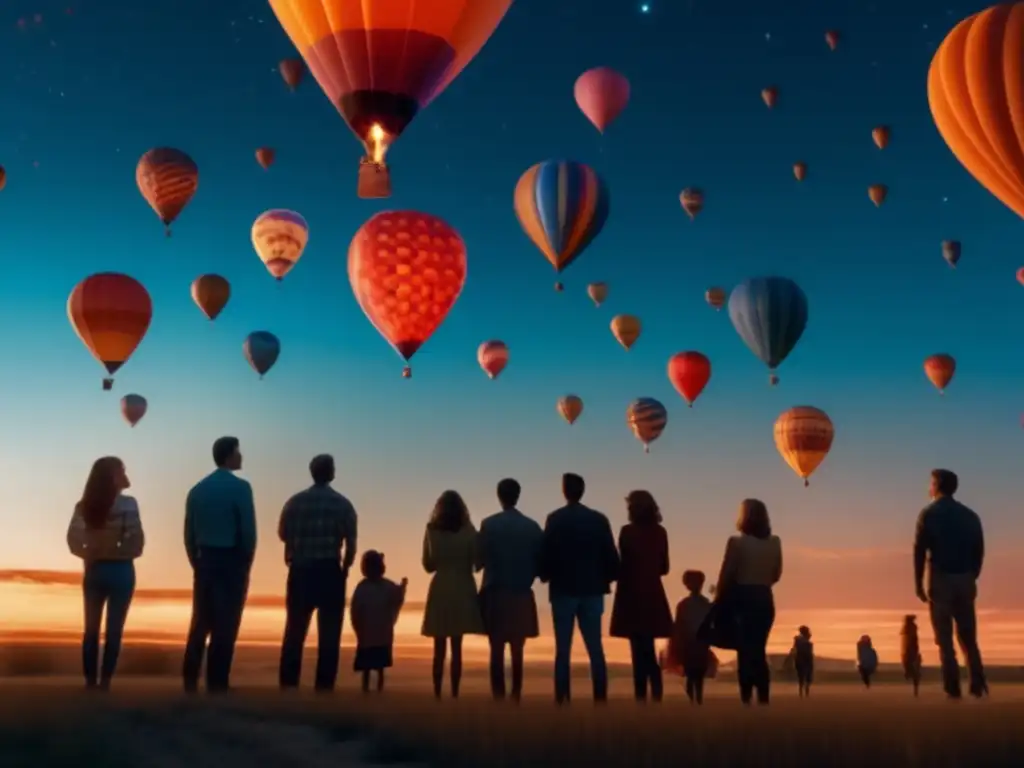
374,180
559,287
807,483
108,384
407,372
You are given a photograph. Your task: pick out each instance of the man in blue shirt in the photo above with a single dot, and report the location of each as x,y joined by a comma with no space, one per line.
220,540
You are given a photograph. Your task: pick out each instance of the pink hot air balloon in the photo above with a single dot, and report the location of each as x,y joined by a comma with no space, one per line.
493,357
602,94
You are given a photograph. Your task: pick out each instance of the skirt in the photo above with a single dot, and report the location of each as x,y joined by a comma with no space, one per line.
375,657
509,616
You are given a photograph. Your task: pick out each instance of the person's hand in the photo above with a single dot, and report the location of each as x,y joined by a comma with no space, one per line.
921,594
404,583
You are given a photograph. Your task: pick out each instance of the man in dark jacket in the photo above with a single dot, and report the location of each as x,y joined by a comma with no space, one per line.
579,562
950,538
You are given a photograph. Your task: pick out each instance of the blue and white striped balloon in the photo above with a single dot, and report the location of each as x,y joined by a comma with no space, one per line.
647,418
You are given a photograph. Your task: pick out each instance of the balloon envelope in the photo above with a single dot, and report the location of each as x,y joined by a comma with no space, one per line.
110,312
601,94
769,314
689,373
493,357
211,293
951,252
715,296
597,292
291,71
647,418
3,178
769,96
880,135
261,349
167,179
133,408
800,171
265,157
832,39
877,193
626,329
940,369
570,407
279,237
803,437
692,200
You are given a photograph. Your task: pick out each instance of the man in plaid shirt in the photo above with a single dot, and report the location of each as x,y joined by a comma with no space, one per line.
316,525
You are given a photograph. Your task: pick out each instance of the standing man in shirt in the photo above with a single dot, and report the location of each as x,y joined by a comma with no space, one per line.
950,538
316,525
220,540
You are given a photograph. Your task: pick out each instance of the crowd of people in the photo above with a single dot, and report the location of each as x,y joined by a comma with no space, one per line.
576,554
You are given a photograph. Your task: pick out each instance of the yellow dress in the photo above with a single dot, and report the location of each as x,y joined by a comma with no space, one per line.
453,608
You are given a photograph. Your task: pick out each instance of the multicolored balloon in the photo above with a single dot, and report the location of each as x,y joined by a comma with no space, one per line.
692,200
133,408
800,171
407,270
570,407
211,293
715,296
880,135
689,373
597,292
493,357
951,252
626,330
279,237
167,179
265,157
647,418
292,71
940,369
111,313
770,96
261,349
562,206
877,193
770,315
601,94
803,437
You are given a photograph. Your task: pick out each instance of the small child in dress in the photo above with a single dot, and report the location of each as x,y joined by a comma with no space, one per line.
867,660
692,653
910,651
375,606
803,660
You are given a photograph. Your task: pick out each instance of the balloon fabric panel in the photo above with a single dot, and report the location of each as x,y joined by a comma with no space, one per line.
110,313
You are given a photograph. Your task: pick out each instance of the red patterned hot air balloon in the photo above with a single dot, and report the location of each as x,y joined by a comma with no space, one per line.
601,94
940,369
689,373
265,157
168,179
493,357
406,269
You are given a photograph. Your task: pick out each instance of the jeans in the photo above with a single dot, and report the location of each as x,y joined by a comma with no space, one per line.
316,586
755,608
951,602
220,584
566,612
497,667
646,669
107,584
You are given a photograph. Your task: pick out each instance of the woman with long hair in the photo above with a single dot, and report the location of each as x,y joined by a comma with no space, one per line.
452,609
106,533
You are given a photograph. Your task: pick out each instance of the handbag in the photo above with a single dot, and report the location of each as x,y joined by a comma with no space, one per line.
721,627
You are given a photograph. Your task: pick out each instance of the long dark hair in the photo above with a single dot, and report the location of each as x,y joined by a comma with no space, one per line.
642,508
101,490
753,519
450,512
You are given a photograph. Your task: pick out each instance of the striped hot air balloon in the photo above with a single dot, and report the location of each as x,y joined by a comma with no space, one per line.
133,408
493,357
940,369
570,407
692,200
279,237
261,350
647,418
167,179
803,437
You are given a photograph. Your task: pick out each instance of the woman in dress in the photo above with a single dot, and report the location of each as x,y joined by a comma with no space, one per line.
452,609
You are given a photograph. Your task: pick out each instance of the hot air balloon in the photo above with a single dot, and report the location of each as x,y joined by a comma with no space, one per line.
292,71
279,237
715,296
265,157
832,39
261,349
493,357
940,369
110,312
562,206
692,200
878,193
3,178
381,63
951,252
167,178
626,330
647,418
803,437
800,171
211,293
570,407
597,292
133,408
770,95
689,373
881,134
601,94
977,99
769,314
1020,275
406,269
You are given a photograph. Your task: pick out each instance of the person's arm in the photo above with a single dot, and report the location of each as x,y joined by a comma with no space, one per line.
350,535
247,519
283,520
979,548
191,547
727,573
356,611
400,590
921,545
428,556
481,547
612,564
76,533
778,565
134,540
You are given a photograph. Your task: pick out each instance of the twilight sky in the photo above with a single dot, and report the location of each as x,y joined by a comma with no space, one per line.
93,85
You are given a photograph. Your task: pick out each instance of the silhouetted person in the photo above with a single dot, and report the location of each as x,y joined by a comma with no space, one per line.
318,528
220,540
867,660
452,609
508,552
579,562
951,540
640,610
106,533
910,652
803,660
376,603
687,647
752,565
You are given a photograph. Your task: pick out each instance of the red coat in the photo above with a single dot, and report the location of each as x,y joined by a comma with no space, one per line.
641,606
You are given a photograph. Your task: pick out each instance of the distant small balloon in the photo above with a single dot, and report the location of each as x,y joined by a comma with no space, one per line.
940,369
1020,275
626,329
279,238
601,94
877,193
133,408
647,418
689,373
211,293
570,407
292,71
881,136
3,178
832,39
261,349
493,357
597,292
803,437
800,171
715,296
951,252
770,95
692,200
265,157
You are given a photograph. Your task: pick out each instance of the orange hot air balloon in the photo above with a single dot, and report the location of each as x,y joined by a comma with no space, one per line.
878,193
940,369
626,330
493,357
770,95
597,292
292,71
976,95
715,296
406,269
689,373
265,157
692,200
880,135
168,179
803,437
211,293
570,407
832,39
3,178
110,312
800,171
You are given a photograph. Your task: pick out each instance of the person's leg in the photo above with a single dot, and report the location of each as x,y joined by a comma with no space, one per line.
440,650
588,615
455,668
941,615
690,688
227,603
199,627
745,654
121,579
636,657
654,671
380,680
563,617
762,671
330,613
698,688
93,597
366,681
497,668
298,613
965,617
516,650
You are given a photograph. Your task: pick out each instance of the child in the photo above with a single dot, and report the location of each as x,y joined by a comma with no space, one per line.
803,659
910,651
693,654
375,606
867,660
